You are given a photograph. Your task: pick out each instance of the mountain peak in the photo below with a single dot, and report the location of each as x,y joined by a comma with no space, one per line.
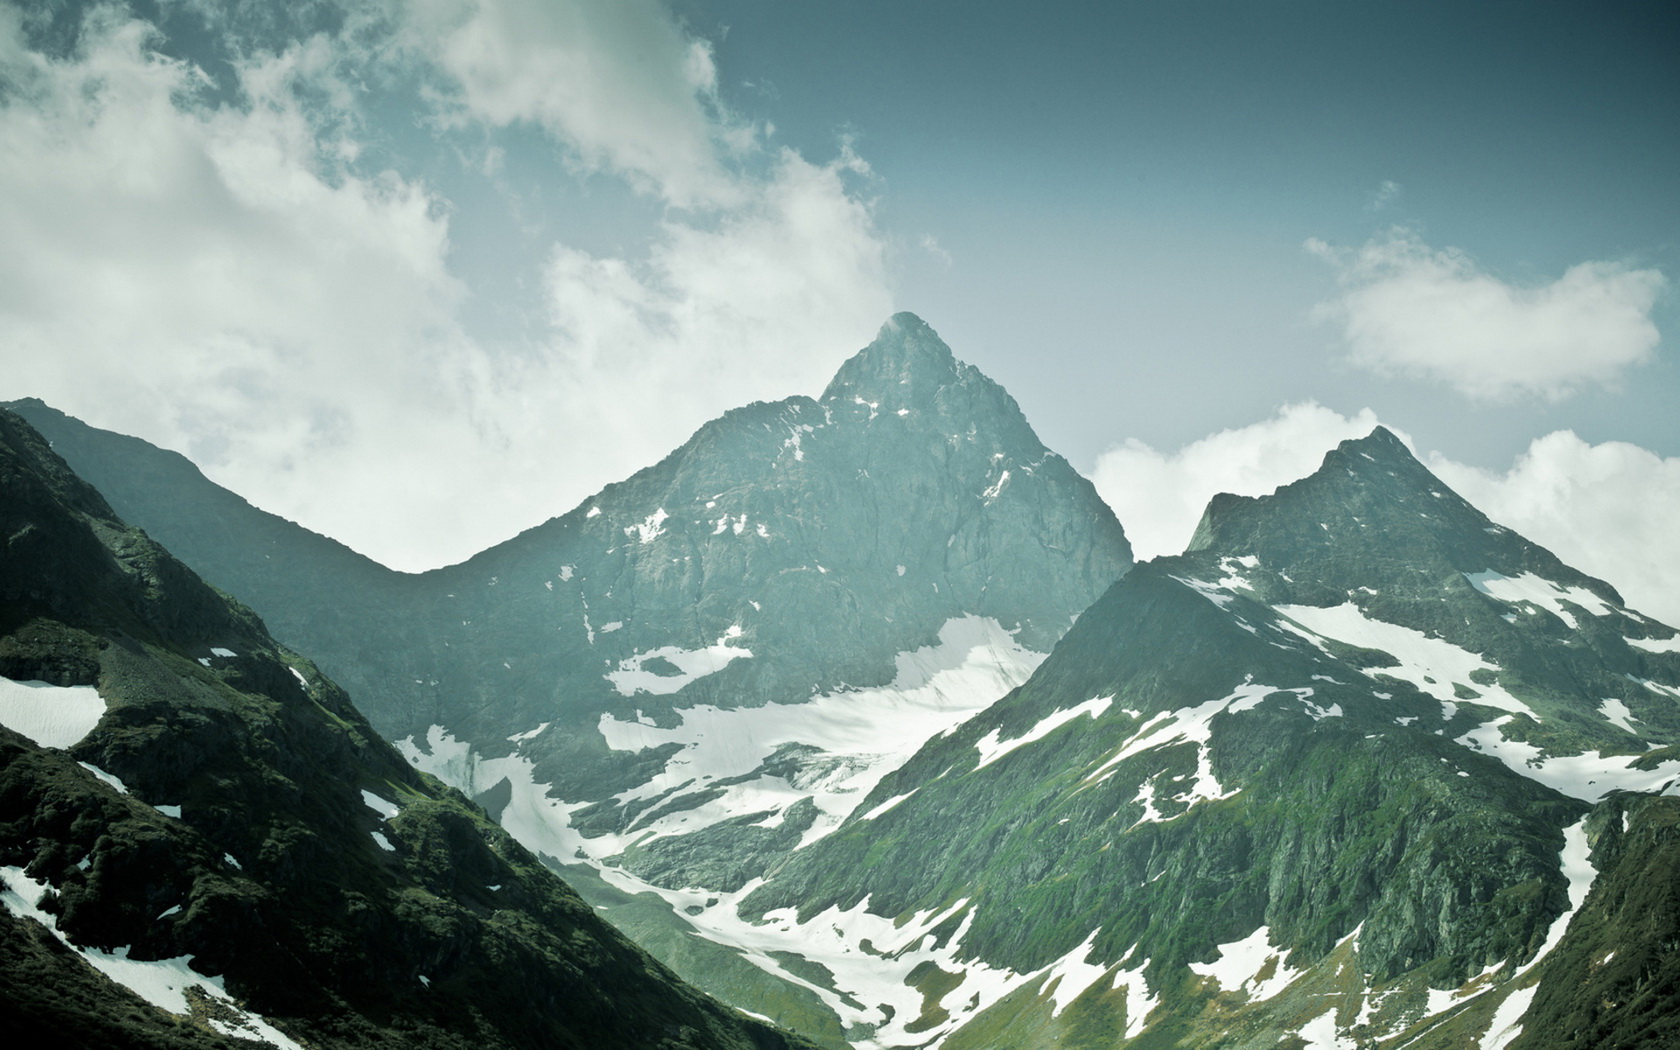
906,361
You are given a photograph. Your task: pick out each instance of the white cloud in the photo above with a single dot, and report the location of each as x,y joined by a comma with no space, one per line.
1159,496
223,280
617,81
1608,509
1411,310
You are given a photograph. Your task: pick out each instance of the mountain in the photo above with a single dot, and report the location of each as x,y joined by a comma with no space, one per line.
1361,768
204,844
705,667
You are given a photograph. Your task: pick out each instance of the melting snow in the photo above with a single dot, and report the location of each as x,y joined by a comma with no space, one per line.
1588,776
1656,645
1072,975
651,527
991,748
630,679
384,843
161,982
1139,1003
1578,869
1320,1033
382,806
109,778
863,734
1240,963
1421,657
1507,1020
50,715
1538,591
1617,714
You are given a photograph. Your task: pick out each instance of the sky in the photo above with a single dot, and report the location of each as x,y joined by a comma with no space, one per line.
421,275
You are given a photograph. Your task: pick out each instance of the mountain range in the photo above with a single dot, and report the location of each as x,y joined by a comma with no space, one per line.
855,712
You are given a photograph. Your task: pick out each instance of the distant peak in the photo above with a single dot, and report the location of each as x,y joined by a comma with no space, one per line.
906,353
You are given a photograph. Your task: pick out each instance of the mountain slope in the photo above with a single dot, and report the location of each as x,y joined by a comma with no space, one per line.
202,841
706,666
1347,747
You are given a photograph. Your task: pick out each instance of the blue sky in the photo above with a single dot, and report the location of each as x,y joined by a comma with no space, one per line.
420,275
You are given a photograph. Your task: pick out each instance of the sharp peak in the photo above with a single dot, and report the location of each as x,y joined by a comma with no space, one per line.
906,351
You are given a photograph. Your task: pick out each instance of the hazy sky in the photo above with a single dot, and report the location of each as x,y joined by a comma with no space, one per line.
420,275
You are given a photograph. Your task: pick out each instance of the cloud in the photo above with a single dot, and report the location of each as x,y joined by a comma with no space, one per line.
1607,509
1386,193
225,274
1408,309
617,81
1159,496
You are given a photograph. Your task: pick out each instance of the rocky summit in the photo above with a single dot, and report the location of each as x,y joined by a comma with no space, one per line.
204,844
706,666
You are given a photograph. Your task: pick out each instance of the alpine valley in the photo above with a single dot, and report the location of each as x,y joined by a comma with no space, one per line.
853,712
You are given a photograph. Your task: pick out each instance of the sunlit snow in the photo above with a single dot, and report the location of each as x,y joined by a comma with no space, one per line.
1421,657
1588,776
1239,965
1539,591
991,748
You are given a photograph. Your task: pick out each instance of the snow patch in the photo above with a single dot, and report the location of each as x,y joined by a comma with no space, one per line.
382,806
383,842
1239,965
1656,645
50,715
1421,657
991,748
161,982
109,778
692,664
651,527
1507,1020
1617,714
1588,776
1539,591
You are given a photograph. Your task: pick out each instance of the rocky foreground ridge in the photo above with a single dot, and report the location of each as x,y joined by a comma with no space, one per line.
203,843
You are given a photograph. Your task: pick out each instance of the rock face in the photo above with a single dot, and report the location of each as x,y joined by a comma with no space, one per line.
1351,752
710,664
203,843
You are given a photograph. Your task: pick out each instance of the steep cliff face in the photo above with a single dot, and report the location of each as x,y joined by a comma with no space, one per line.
202,841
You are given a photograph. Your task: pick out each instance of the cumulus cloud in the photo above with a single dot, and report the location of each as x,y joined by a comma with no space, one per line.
1408,309
1608,509
224,273
1159,496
